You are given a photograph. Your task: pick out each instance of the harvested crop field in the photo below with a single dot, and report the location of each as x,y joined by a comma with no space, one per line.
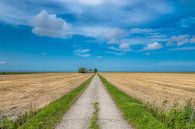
156,88
20,92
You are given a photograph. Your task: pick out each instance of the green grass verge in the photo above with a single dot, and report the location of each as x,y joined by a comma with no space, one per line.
177,117
50,115
133,111
94,120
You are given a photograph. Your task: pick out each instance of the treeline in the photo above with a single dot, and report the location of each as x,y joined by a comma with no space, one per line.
85,70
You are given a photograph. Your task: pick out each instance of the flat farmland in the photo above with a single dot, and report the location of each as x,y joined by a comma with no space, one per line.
156,88
19,92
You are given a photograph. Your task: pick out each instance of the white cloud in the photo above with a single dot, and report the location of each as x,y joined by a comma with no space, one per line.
12,15
82,52
90,2
128,12
124,46
116,53
50,25
140,36
100,32
140,30
181,39
77,4
2,62
153,46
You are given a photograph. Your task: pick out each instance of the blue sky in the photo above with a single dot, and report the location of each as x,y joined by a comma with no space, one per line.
130,35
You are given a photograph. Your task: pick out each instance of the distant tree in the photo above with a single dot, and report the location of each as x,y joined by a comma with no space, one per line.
82,70
85,70
95,70
90,70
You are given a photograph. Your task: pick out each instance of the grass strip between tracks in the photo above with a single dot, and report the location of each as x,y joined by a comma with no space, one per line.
48,116
94,120
133,111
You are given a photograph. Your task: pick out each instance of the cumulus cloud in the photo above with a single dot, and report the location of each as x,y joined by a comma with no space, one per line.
100,32
153,46
50,25
128,12
92,17
123,47
139,36
181,39
82,52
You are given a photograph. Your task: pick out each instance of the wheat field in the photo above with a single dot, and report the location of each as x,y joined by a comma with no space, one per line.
156,88
20,92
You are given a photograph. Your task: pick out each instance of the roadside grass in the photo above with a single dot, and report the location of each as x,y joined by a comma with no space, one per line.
134,111
94,120
178,117
48,116
146,116
6,123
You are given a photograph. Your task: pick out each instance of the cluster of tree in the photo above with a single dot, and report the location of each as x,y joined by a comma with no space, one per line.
85,70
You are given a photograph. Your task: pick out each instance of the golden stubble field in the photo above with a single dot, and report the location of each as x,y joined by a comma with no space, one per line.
19,92
156,88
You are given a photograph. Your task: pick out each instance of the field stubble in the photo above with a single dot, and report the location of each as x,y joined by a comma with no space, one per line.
21,92
163,90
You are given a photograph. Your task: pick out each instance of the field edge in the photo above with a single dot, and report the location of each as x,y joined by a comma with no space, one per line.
133,111
48,116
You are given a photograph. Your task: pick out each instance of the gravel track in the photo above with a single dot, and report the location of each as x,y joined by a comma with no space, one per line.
79,115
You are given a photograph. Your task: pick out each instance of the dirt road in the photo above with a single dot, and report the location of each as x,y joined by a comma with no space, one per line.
78,117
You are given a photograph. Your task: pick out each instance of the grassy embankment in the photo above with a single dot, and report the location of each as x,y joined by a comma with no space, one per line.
94,120
49,116
143,116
